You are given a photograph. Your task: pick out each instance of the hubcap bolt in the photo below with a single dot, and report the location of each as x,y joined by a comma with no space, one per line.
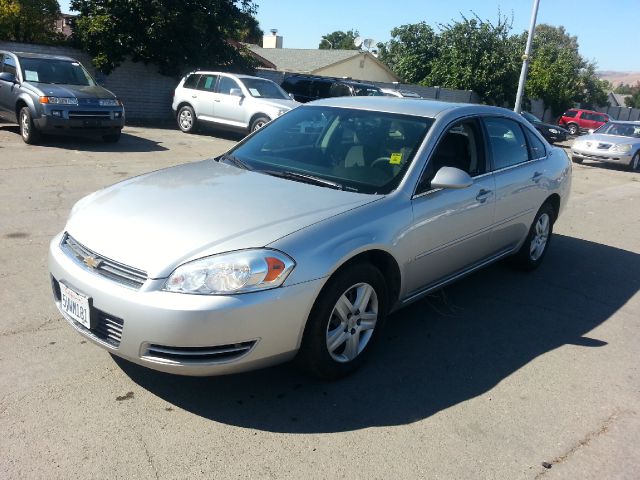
357,312
358,322
353,330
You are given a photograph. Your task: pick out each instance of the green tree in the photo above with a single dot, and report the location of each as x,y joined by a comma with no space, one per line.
478,55
623,89
29,21
174,35
339,40
410,52
634,100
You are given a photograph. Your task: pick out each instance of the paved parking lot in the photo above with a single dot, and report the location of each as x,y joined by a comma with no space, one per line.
488,379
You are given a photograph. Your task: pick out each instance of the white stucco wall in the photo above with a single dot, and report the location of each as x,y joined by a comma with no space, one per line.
361,67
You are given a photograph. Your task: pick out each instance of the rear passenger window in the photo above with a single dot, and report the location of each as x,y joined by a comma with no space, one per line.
207,82
570,114
191,81
536,147
507,142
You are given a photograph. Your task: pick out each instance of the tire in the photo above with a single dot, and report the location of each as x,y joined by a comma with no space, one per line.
535,247
634,166
573,129
353,332
258,123
28,130
187,121
111,138
576,159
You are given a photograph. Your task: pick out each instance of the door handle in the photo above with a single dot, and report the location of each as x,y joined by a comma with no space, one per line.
194,96
217,100
483,195
537,176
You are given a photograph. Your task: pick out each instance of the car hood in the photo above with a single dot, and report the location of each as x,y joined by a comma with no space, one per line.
77,91
160,220
277,103
613,139
555,127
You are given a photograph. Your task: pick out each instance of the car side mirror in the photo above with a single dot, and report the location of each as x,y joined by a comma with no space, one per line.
236,92
451,177
8,77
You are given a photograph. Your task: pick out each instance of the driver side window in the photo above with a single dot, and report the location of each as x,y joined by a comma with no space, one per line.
461,147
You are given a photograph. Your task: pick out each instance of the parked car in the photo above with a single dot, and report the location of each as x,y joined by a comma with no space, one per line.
614,142
303,237
552,133
306,88
391,92
578,121
238,102
53,94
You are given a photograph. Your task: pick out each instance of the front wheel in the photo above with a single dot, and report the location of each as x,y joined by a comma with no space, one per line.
634,166
258,123
344,322
27,128
535,247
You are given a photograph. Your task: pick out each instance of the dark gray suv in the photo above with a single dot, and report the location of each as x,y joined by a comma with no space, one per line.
53,94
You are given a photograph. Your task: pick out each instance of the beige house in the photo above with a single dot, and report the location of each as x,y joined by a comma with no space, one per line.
331,63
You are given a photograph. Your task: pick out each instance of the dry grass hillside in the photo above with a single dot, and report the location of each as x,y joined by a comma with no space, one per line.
616,78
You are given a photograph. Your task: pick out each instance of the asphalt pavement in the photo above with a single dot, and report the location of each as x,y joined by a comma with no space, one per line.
504,375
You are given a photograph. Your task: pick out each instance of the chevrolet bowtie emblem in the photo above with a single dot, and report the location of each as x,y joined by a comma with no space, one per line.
92,262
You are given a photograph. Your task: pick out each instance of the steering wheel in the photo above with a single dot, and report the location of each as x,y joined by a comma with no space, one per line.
381,160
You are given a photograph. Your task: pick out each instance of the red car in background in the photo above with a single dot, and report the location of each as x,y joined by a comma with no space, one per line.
577,120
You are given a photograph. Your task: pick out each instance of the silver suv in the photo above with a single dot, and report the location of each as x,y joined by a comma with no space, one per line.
238,102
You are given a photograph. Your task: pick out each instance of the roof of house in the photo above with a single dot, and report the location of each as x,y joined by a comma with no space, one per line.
617,99
302,60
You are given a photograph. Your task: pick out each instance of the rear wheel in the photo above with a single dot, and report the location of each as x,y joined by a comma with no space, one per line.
27,128
535,247
573,129
344,322
187,119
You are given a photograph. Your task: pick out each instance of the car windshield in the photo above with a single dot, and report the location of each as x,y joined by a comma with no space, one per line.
349,149
49,70
530,117
363,91
620,129
264,89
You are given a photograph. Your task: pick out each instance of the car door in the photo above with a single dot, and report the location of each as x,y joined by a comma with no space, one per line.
517,160
229,108
203,97
451,227
8,90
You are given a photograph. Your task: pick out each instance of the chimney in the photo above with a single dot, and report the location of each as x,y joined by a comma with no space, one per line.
272,41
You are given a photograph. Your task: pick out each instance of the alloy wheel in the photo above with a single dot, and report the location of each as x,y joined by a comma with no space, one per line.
186,120
539,241
352,322
26,125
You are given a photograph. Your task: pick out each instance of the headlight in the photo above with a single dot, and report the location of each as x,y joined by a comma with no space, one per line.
553,130
109,102
622,148
59,100
229,273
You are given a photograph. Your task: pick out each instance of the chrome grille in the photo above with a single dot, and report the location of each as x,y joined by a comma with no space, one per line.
129,276
220,353
89,115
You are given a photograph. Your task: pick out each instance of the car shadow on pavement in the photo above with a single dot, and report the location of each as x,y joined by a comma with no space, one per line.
436,353
128,142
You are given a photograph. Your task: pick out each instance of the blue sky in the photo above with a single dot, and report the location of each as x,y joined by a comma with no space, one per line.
612,44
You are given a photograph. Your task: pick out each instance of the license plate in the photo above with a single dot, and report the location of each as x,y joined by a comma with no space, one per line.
75,305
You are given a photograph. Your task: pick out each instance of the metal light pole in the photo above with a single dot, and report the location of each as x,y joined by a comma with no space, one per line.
525,57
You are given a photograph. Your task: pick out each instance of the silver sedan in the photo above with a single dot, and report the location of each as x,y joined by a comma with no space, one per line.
301,239
614,142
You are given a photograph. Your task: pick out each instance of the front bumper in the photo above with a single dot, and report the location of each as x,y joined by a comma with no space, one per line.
602,156
188,334
71,118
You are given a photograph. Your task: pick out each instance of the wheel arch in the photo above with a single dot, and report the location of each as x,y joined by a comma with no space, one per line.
185,104
554,201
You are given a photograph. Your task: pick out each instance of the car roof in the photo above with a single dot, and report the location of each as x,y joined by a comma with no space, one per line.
42,56
238,75
635,123
409,106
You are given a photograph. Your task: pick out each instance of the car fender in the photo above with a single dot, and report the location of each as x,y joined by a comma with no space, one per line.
27,98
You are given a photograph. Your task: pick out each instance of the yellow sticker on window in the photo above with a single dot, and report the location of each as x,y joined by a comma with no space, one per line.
395,158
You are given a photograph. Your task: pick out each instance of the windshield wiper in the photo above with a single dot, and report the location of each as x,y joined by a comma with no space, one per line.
302,177
235,161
